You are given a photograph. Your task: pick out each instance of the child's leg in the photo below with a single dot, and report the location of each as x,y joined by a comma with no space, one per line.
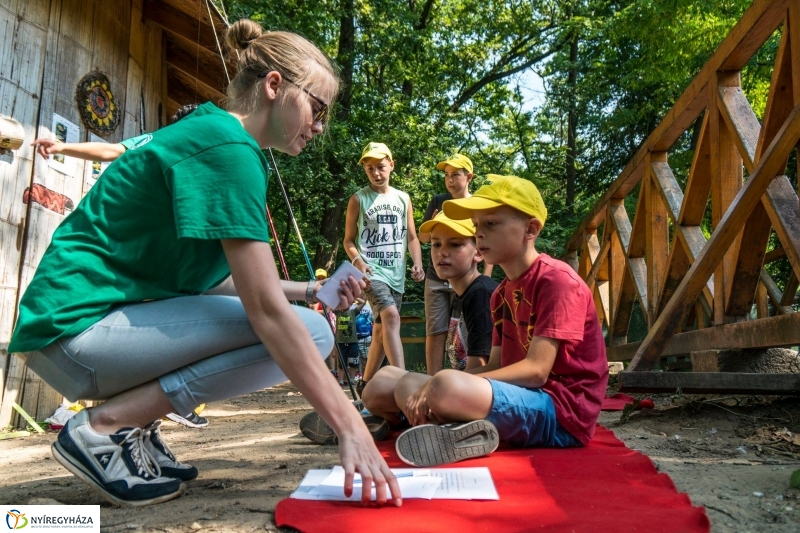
375,355
438,297
455,396
390,320
379,395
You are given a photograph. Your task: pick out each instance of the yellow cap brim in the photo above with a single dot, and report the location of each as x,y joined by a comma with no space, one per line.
427,227
375,154
455,164
464,207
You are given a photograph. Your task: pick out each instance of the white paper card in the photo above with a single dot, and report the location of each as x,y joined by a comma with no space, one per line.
66,132
329,293
437,484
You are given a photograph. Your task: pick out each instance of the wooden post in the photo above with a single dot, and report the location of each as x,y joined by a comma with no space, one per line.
657,238
726,180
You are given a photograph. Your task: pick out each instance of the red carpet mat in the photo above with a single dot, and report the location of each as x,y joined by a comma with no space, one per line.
619,401
604,487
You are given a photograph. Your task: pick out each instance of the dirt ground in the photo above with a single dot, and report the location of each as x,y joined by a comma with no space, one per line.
733,455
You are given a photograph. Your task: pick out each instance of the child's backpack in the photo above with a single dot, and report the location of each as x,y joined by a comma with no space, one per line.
363,325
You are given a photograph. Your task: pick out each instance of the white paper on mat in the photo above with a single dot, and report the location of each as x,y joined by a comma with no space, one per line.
329,293
438,484
67,132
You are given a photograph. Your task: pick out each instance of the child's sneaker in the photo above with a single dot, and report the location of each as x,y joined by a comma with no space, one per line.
163,455
192,420
317,430
118,466
432,445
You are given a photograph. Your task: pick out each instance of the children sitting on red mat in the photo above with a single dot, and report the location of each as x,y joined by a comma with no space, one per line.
547,371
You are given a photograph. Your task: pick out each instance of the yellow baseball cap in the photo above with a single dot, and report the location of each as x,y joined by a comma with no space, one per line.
496,191
375,151
458,161
321,272
465,227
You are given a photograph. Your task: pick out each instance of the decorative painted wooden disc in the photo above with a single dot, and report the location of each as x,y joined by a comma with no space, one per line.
96,103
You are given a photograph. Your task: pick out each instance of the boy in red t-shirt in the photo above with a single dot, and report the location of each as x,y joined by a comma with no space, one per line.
547,371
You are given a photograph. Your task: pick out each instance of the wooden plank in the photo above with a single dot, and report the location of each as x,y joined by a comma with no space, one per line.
622,224
668,188
762,309
774,293
179,23
624,310
773,332
742,121
616,270
780,100
789,290
638,269
721,239
657,244
591,248
602,301
698,186
709,382
782,206
599,260
678,265
749,261
727,174
186,90
23,36
206,67
774,255
638,240
572,260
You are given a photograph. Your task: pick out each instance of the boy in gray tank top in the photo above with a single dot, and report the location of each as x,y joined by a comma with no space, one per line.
379,228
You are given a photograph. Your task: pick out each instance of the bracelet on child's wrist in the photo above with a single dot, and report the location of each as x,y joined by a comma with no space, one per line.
310,292
356,258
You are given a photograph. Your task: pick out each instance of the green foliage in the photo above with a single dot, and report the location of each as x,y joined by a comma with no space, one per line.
432,77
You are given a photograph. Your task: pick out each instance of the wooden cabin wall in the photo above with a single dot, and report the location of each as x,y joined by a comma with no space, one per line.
58,42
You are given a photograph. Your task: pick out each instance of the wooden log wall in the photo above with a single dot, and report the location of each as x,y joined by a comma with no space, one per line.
47,46
697,293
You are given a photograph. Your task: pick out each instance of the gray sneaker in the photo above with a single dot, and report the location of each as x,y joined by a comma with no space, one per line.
118,467
163,455
431,445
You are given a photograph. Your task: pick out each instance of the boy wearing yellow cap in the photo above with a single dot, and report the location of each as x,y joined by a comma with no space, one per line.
455,256
547,372
379,228
438,293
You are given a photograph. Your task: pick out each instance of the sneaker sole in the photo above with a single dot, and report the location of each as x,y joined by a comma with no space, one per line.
315,429
183,421
67,462
431,445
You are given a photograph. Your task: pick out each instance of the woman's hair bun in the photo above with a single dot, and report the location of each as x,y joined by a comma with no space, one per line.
242,33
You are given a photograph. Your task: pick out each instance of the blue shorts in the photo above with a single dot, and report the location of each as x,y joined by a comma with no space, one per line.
350,353
527,417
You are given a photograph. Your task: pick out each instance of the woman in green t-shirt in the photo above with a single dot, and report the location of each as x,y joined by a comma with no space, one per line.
119,308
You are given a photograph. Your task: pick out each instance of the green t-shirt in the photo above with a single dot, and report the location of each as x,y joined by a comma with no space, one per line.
150,229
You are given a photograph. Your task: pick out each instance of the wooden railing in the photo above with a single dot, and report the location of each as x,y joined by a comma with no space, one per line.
684,283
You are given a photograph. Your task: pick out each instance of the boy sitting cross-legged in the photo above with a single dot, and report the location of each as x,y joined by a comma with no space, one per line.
455,256
547,371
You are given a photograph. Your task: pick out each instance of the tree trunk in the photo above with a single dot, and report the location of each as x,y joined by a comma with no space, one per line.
572,122
333,216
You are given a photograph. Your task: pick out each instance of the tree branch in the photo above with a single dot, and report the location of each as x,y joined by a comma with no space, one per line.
423,18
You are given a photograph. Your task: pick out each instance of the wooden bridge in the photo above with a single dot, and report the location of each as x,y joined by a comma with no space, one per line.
698,294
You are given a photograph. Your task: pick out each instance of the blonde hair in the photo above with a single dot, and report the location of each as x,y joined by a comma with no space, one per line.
260,52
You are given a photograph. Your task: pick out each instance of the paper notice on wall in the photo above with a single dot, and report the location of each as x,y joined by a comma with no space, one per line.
65,132
95,168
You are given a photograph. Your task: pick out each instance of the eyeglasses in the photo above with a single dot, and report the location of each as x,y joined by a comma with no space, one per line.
321,115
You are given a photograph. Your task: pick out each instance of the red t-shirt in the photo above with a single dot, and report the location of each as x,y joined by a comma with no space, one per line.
551,300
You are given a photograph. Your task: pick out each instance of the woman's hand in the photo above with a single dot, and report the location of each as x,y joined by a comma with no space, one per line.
47,147
358,454
348,291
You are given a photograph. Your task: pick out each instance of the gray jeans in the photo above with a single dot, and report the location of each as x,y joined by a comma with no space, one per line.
200,348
